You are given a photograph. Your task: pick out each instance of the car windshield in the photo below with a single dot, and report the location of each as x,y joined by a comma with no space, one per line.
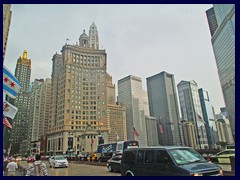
59,158
186,156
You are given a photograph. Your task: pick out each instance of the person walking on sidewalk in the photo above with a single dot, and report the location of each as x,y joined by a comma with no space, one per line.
12,167
38,168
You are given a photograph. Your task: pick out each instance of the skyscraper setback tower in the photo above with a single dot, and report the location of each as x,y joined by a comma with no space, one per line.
164,107
130,93
22,102
79,98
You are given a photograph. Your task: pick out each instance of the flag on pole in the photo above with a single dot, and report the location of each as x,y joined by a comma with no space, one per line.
161,128
92,141
135,132
9,110
9,149
6,123
11,86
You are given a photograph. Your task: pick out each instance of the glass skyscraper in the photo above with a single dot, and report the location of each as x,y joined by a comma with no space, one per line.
130,93
208,116
164,107
191,110
223,42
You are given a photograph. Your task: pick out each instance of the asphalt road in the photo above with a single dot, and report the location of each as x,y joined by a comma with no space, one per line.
85,169
75,169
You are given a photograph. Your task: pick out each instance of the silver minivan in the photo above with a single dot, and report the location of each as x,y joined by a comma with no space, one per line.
166,161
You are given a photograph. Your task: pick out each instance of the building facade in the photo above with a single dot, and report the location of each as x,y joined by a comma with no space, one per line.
223,42
151,128
130,93
191,110
163,105
145,103
116,116
79,98
224,129
21,128
7,16
40,113
189,134
209,118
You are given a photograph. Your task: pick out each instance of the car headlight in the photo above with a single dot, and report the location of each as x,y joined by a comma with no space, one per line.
196,174
221,171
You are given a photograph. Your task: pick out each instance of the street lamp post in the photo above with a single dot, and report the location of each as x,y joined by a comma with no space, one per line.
199,141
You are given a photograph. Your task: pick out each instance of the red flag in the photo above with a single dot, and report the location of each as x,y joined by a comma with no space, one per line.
6,123
161,128
135,132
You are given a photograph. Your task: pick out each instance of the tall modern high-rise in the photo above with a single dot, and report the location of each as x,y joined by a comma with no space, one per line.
163,105
7,16
223,42
192,112
130,93
39,113
22,102
36,109
209,118
79,99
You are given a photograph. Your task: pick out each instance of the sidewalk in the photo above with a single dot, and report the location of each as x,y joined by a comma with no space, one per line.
18,173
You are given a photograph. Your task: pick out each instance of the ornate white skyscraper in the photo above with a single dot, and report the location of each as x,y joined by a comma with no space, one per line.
93,36
79,98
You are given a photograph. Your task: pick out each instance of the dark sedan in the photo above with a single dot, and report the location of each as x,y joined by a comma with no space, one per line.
114,164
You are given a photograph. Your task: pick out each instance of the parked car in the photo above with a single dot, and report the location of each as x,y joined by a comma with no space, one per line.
114,164
19,158
71,157
31,159
58,161
105,157
166,161
223,156
82,156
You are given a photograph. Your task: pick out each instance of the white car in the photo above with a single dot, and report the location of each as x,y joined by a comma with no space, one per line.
58,161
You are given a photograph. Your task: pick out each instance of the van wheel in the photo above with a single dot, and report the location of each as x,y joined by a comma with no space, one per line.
129,174
110,168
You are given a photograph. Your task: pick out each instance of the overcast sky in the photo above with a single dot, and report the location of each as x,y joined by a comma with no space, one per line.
141,40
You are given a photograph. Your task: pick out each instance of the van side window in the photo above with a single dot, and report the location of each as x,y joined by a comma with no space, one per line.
149,156
130,157
140,156
162,156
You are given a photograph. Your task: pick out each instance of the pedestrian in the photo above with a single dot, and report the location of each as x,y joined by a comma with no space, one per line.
12,167
37,168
